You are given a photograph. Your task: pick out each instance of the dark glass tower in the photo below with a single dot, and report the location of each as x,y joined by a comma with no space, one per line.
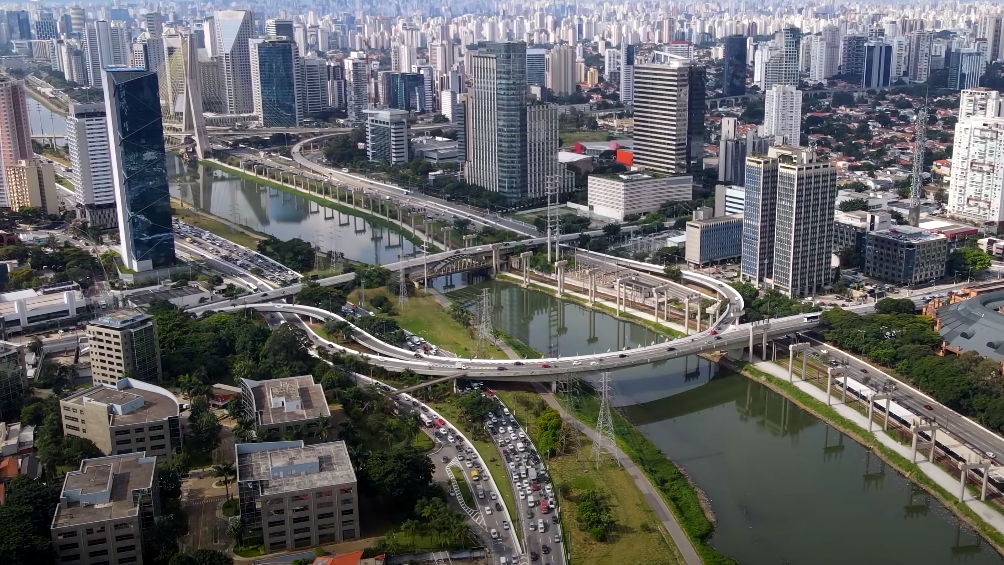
139,168
275,77
734,83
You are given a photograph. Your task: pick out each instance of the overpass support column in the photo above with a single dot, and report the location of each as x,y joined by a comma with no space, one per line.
916,429
764,344
496,261
751,343
793,349
524,260
446,237
559,270
686,323
591,273
554,387
871,406
985,465
830,373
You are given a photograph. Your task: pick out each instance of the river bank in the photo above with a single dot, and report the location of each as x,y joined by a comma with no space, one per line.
845,419
45,101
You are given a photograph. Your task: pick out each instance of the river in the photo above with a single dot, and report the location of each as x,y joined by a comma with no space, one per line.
284,215
785,487
45,122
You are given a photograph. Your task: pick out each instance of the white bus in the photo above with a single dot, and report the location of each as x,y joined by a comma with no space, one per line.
812,317
426,420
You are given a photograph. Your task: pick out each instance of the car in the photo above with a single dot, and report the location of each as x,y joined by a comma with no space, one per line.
495,533
529,514
713,332
864,370
522,495
670,349
928,407
593,363
576,362
493,496
545,550
488,511
557,538
622,355
534,556
554,519
502,369
533,527
990,454
450,492
505,524
446,459
534,487
418,355
718,337
498,507
468,463
518,363
545,366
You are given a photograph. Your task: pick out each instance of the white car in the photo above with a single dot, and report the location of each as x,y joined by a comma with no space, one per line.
512,465
522,435
522,495
576,362
533,527
493,496
508,429
548,489
594,363
512,437
495,534
488,510
505,524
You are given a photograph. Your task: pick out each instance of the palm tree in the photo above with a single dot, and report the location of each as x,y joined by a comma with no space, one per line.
35,346
226,472
411,528
234,408
323,428
347,432
236,530
293,433
244,430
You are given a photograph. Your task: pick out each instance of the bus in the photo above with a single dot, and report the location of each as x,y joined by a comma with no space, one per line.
811,317
426,420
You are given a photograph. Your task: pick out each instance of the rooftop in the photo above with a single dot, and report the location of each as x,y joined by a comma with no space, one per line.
129,401
290,466
293,399
717,220
121,319
140,299
908,234
103,489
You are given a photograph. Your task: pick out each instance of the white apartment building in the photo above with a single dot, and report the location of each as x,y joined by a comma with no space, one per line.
561,70
122,343
617,195
357,87
104,45
921,47
387,135
626,67
976,185
783,113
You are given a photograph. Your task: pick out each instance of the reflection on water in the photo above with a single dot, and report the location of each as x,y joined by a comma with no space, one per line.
283,215
44,121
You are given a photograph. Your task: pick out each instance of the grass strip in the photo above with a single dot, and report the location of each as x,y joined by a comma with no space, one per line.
908,469
522,349
465,489
674,486
324,201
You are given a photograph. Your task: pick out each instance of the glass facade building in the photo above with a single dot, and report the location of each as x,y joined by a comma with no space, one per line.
139,168
275,76
734,83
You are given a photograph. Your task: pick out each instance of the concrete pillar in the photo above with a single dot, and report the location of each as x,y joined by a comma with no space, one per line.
495,258
524,259
830,372
763,346
559,269
805,359
554,387
751,344
934,442
446,237
962,482
655,296
686,324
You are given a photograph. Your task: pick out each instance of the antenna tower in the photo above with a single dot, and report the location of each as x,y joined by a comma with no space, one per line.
604,424
919,145
483,330
402,284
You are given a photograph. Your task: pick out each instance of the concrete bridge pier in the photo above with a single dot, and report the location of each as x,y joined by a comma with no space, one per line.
686,323
468,239
591,273
496,260
830,373
928,427
763,346
446,237
524,260
871,408
793,350
751,341
559,271
966,467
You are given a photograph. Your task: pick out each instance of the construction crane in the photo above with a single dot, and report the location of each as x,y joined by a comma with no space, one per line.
919,147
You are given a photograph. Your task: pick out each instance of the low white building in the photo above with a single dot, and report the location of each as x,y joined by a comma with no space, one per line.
22,309
617,195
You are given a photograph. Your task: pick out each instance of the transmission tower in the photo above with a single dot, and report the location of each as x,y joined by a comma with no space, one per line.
604,424
551,187
919,146
402,288
483,329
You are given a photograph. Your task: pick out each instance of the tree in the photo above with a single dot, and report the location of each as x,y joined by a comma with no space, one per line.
549,429
611,230
398,474
839,99
325,297
461,224
473,407
849,258
895,306
323,428
193,387
969,259
236,530
168,482
226,472
204,427
339,329
35,346
203,556
853,204
674,273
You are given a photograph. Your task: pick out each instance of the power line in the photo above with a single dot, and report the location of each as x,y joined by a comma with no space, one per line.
605,441
483,330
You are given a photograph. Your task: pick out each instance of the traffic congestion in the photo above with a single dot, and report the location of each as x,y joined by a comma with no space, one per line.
236,255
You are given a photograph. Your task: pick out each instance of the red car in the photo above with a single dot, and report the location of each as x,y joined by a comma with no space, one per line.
714,332
545,366
441,422
489,393
928,407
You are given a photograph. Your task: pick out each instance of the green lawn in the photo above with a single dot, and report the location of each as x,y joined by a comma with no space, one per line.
570,137
215,227
229,507
65,183
422,442
465,489
250,551
424,317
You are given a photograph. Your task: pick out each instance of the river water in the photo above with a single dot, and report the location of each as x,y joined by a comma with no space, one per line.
785,487
283,215
45,122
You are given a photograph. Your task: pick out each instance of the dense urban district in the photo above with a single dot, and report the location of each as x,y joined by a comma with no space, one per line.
356,284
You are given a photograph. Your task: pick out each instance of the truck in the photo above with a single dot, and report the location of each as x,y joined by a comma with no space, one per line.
533,474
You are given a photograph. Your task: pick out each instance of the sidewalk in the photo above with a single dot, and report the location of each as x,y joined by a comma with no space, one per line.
942,478
655,500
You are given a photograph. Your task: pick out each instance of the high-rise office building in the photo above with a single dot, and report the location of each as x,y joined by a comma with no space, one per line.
788,220
627,73
125,346
542,150
921,45
77,19
279,28
790,39
990,28
104,45
976,187
387,136
428,75
232,33
878,65
337,86
536,67
734,81
965,69
783,113
13,381
852,63
667,109
314,86
32,184
611,65
561,70
45,26
403,91
139,168
357,87
15,131
276,81
94,187
18,25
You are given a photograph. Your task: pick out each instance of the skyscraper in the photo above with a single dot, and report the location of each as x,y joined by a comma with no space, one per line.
279,28
627,79
94,187
536,67
496,119
783,69
276,81
783,113
878,65
561,70
18,25
965,69
139,168
357,87
45,26
921,44
734,82
15,131
104,45
788,220
668,104
853,61
233,30
387,136
976,188
314,90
